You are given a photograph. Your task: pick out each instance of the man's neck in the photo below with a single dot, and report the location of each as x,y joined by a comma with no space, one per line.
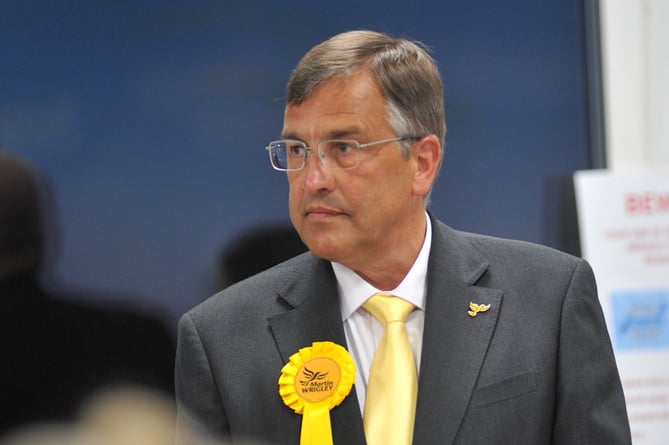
386,271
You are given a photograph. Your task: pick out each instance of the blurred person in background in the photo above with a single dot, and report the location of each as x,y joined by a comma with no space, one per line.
123,415
58,347
257,249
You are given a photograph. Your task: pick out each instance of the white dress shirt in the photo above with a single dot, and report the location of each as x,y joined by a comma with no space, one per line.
362,330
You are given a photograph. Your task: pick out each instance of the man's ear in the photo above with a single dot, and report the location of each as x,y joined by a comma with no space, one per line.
427,156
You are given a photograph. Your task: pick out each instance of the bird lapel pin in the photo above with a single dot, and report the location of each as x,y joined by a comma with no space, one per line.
474,308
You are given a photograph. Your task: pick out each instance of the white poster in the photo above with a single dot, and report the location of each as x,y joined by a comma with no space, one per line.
624,230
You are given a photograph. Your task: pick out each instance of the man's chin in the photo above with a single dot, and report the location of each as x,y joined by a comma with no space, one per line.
326,249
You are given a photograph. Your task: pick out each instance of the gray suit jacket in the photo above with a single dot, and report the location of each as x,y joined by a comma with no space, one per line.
537,368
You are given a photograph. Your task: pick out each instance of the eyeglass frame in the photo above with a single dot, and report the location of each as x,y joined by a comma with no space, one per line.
321,155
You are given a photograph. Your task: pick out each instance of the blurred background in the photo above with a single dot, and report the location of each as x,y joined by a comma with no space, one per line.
149,120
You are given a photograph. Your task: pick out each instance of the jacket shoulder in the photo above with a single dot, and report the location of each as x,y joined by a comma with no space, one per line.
257,294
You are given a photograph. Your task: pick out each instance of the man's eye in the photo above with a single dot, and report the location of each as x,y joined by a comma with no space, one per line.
295,149
343,147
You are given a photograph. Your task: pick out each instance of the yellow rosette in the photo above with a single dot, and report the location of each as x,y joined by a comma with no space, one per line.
314,381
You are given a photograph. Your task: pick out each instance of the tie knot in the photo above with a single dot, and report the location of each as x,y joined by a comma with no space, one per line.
387,308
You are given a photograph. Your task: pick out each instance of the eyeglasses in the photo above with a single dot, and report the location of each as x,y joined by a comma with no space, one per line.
337,154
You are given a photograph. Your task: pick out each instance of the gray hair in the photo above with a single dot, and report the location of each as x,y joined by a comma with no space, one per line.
406,73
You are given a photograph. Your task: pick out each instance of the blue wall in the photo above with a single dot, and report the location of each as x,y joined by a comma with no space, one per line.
150,118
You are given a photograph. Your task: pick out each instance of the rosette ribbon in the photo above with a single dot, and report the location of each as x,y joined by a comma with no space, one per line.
315,380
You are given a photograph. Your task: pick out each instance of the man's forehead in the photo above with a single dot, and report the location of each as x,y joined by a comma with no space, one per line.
340,107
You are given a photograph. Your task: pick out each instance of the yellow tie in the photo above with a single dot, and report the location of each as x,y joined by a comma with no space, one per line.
390,407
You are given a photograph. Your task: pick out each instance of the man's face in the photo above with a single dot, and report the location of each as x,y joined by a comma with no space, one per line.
351,216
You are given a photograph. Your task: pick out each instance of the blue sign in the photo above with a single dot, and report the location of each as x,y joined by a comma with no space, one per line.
641,319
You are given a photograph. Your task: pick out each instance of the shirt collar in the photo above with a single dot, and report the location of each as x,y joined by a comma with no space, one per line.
354,291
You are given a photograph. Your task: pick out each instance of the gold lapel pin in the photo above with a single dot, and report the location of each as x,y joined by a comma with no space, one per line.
476,308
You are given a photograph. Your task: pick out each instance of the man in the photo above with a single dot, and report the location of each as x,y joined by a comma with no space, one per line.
508,337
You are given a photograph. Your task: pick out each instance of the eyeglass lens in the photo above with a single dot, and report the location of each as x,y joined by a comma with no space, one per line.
291,155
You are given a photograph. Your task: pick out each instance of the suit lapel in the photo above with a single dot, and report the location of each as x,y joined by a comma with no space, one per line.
454,343
315,315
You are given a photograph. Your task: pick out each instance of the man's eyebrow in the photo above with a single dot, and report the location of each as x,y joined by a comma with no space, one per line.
333,134
290,136
344,133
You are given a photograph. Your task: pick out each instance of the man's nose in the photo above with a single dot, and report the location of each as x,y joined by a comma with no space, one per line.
317,175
